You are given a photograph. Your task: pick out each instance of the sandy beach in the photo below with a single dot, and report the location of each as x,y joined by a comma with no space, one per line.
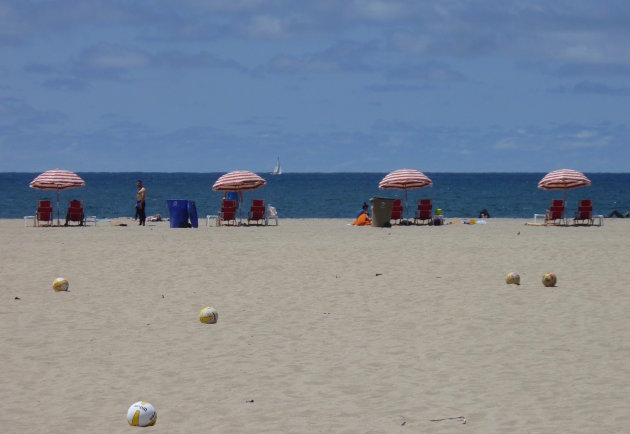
322,327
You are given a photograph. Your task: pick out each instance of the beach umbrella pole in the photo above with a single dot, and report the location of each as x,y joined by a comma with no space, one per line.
240,208
58,207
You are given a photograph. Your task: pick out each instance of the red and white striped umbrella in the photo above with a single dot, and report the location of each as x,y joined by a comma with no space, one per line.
238,180
564,179
57,179
405,179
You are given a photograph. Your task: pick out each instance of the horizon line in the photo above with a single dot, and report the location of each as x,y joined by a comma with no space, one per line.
317,173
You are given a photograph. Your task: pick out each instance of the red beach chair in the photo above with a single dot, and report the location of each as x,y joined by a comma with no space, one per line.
227,203
555,213
257,211
397,210
44,212
75,212
424,213
584,213
228,212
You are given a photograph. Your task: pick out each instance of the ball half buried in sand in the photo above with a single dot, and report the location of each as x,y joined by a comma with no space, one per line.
208,315
549,279
513,279
141,413
61,284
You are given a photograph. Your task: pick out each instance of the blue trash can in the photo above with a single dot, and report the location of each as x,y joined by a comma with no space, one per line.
192,214
178,212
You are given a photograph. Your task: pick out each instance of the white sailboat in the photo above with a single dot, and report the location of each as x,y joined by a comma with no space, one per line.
278,169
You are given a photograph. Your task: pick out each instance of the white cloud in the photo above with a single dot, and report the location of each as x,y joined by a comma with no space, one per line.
116,57
505,144
585,134
600,142
342,56
584,139
417,43
266,26
229,5
115,62
378,10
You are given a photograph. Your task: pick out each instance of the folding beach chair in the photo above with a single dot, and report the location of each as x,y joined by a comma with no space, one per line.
228,212
257,212
75,212
44,212
424,213
584,213
397,211
271,214
229,203
555,213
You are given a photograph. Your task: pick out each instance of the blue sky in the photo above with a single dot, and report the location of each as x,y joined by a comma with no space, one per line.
328,86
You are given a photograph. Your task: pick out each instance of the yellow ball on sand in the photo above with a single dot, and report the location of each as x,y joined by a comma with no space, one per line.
141,413
549,279
60,284
208,315
513,279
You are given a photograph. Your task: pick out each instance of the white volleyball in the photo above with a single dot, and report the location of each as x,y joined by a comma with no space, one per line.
208,315
60,284
141,413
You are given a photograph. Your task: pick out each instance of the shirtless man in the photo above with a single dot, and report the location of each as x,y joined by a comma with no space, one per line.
140,202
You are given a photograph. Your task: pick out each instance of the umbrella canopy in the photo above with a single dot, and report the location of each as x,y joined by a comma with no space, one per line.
564,179
238,180
405,179
57,179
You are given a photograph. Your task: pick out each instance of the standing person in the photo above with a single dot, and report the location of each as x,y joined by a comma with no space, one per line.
141,197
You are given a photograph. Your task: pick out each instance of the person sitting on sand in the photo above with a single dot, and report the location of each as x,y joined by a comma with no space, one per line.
484,214
364,209
616,213
363,219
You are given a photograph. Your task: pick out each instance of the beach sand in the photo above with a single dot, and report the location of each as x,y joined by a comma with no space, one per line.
322,327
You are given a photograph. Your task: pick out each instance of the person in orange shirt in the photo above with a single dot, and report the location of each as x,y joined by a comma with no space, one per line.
363,219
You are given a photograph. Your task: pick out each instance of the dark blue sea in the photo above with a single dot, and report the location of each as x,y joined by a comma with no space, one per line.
319,195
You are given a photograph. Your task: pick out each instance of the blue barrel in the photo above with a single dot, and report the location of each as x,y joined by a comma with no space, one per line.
192,213
178,212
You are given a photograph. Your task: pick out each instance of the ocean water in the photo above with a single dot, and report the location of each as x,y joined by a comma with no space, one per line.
319,195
